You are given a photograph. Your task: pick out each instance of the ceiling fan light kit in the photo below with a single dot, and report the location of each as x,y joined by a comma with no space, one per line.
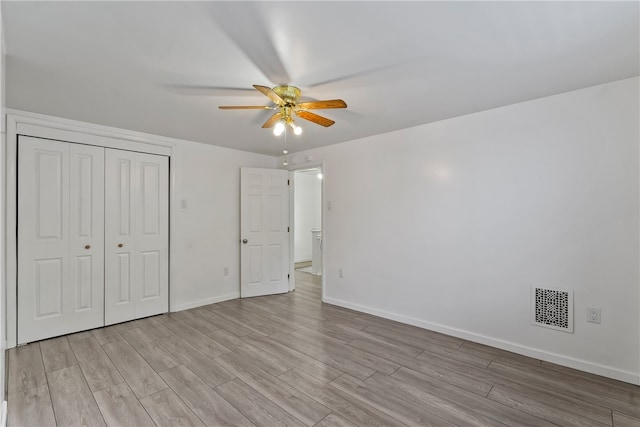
286,103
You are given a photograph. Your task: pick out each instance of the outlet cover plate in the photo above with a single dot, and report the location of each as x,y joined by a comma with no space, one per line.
594,315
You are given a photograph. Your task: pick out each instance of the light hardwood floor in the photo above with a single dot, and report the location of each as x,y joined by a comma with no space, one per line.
289,360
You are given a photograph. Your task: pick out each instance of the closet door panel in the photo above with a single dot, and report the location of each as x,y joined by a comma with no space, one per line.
49,278
123,279
60,280
136,229
152,236
119,240
86,231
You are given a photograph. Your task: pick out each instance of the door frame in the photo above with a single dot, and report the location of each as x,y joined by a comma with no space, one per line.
50,127
292,169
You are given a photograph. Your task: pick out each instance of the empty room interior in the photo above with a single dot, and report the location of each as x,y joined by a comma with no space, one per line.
312,213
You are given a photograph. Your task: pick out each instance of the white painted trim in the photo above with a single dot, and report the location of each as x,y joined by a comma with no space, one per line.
3,422
292,230
582,365
89,139
206,301
3,282
11,254
136,141
90,128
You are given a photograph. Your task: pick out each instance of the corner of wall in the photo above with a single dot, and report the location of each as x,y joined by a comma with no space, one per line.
3,311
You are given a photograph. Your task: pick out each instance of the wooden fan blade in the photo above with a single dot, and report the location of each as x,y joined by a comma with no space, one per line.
312,117
317,105
272,120
269,93
244,107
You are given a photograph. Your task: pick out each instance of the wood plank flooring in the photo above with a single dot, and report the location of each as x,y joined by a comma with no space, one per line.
289,360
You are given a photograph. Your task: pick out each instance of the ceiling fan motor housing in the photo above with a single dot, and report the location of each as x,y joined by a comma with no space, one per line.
289,94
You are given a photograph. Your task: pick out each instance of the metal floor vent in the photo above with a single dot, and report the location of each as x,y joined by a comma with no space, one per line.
552,308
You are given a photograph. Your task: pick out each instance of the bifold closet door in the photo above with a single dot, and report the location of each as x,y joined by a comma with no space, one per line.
136,235
60,238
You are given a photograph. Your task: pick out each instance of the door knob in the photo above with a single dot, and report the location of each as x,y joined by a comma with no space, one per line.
87,247
245,241
120,245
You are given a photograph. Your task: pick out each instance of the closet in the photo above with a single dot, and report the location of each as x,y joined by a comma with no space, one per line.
92,237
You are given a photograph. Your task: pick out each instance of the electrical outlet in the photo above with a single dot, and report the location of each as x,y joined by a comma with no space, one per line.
341,274
226,271
593,315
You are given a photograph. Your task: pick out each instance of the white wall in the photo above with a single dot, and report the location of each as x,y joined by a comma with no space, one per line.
308,197
208,230
447,225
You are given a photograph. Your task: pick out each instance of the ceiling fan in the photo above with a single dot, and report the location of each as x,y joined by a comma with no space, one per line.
286,102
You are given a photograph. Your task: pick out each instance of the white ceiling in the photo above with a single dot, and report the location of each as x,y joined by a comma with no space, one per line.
164,67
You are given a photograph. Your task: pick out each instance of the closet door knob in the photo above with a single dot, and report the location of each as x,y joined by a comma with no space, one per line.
120,245
245,241
87,247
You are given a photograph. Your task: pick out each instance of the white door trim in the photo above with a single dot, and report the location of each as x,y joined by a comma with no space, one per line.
19,122
310,165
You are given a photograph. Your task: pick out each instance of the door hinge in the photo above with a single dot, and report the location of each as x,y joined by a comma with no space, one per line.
288,182
288,276
288,230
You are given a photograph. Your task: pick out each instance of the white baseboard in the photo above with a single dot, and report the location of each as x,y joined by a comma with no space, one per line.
570,362
207,301
3,420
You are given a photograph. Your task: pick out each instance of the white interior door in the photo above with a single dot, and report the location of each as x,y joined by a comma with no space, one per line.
264,223
136,235
60,235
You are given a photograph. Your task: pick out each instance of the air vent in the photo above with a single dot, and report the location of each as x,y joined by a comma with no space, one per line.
552,308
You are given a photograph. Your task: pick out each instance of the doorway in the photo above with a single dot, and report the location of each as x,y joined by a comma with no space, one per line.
307,245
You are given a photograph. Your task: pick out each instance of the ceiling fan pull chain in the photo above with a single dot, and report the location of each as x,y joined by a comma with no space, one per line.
285,151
